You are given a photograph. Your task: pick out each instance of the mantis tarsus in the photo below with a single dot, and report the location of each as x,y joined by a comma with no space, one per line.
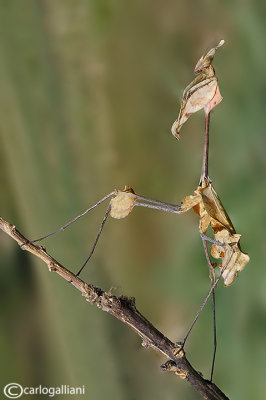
202,93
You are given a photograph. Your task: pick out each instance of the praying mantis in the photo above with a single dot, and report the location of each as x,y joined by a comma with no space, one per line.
202,93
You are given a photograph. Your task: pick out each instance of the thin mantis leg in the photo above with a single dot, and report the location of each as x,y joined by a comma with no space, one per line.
208,239
212,277
157,205
150,203
205,301
62,228
96,240
144,202
162,203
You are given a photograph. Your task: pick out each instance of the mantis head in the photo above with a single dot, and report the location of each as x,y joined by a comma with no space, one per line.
206,60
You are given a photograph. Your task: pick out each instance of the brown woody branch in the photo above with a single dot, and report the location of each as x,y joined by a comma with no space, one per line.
125,310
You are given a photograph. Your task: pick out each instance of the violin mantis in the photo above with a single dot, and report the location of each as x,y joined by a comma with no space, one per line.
202,93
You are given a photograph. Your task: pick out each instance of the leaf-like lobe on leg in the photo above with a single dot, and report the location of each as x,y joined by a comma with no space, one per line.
123,203
208,206
231,255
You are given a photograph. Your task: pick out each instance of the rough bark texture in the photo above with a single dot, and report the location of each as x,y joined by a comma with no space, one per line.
124,309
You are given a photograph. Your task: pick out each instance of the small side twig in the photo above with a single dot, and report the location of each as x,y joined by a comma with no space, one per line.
124,309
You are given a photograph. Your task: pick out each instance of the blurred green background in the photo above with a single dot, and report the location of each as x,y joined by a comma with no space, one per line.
89,90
